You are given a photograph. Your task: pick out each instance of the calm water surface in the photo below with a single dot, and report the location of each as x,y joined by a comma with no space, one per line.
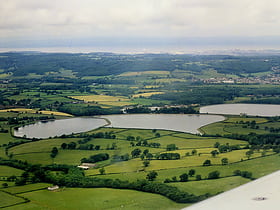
60,127
176,122
237,109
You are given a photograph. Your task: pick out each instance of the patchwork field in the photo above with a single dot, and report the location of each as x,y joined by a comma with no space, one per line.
100,198
124,164
148,94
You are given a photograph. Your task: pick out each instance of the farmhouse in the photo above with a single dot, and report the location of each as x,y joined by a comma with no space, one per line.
83,167
53,188
86,166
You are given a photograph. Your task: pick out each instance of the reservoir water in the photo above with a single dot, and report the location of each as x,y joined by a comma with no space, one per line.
59,127
248,109
176,122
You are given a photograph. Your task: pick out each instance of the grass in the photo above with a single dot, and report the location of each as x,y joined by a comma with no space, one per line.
183,143
105,100
129,74
259,167
5,138
101,198
146,94
232,125
27,188
7,199
100,98
9,171
33,111
234,119
210,186
143,133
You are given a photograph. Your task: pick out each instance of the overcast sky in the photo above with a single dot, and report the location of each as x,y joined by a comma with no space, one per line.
53,22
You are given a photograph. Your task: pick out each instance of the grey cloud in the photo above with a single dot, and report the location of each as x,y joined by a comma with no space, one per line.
93,18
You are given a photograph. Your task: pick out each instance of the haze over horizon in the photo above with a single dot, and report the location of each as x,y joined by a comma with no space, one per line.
146,25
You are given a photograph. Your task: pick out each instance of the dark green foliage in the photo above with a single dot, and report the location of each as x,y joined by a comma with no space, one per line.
214,153
207,163
245,174
136,152
95,158
5,185
177,110
151,176
184,177
214,175
102,171
224,161
198,177
168,156
146,163
191,172
171,147
54,152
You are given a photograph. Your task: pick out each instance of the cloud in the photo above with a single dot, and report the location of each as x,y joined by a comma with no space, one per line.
35,19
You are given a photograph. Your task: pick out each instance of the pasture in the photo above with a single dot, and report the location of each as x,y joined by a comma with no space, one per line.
147,94
98,198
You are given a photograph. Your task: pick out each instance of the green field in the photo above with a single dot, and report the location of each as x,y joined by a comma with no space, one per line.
6,171
211,186
9,200
38,152
101,198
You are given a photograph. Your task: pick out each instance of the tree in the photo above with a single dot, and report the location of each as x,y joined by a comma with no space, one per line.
217,144
54,152
191,172
224,161
214,175
145,152
157,135
198,177
171,147
237,173
184,177
5,185
246,174
135,153
194,152
207,163
142,156
146,163
63,146
249,153
149,156
214,153
174,179
102,171
151,176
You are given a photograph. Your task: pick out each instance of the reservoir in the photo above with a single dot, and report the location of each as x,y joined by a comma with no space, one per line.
268,110
59,127
176,122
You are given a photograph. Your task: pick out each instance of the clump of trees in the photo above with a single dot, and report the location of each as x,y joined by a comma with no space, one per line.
207,163
96,158
171,147
54,152
73,145
245,174
168,156
214,175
